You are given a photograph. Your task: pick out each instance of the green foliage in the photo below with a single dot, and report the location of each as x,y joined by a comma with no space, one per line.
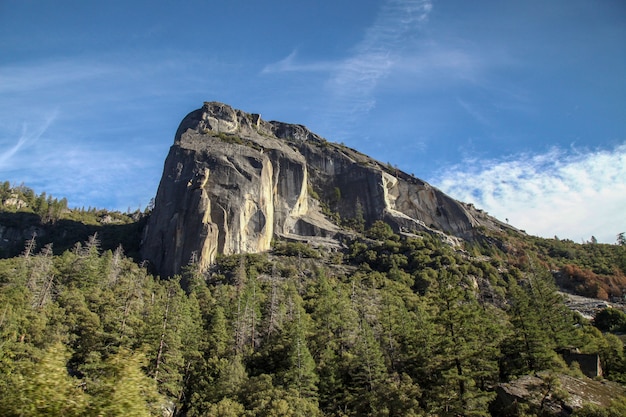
610,320
295,249
392,326
237,140
380,231
529,347
356,223
301,373
24,199
596,258
90,312
465,349
122,388
41,386
613,360
617,408
22,209
311,191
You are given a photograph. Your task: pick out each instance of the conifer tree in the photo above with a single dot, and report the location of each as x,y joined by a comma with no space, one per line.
248,310
219,341
301,374
42,387
225,408
398,396
122,389
465,351
366,373
336,322
173,333
554,316
232,378
613,359
528,348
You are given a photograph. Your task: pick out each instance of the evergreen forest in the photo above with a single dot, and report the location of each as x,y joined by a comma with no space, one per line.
389,325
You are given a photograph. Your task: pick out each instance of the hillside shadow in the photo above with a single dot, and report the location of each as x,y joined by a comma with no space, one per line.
17,228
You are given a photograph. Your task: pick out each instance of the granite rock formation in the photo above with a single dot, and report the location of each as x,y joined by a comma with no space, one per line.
232,182
555,395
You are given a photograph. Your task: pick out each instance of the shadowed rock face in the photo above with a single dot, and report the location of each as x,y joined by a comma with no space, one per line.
233,181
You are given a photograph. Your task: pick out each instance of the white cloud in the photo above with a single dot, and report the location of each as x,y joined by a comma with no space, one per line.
474,111
352,81
86,173
86,128
35,76
573,194
71,128
290,64
356,77
25,138
431,59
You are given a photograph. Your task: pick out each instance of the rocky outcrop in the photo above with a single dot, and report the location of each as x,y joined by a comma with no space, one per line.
233,181
553,394
12,238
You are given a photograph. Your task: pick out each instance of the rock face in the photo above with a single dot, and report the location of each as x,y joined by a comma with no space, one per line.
233,181
553,395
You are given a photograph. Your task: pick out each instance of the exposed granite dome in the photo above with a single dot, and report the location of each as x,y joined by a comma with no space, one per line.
233,181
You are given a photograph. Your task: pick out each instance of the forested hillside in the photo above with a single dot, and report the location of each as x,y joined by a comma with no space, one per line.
24,214
389,326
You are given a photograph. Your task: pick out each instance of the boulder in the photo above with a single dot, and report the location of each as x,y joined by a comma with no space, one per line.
550,394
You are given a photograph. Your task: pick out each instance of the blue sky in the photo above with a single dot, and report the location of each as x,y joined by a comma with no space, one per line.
516,106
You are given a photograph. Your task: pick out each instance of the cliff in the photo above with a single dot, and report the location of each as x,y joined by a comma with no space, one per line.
233,181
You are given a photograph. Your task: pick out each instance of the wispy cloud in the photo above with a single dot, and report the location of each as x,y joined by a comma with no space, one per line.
430,60
87,173
52,73
101,144
101,174
474,111
290,64
374,57
103,77
26,137
352,80
572,194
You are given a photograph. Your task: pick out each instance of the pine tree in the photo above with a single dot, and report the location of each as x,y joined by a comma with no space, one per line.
337,327
301,374
398,396
85,333
173,333
366,371
465,351
555,317
219,340
121,388
528,348
248,313
225,408
613,359
42,387
232,378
